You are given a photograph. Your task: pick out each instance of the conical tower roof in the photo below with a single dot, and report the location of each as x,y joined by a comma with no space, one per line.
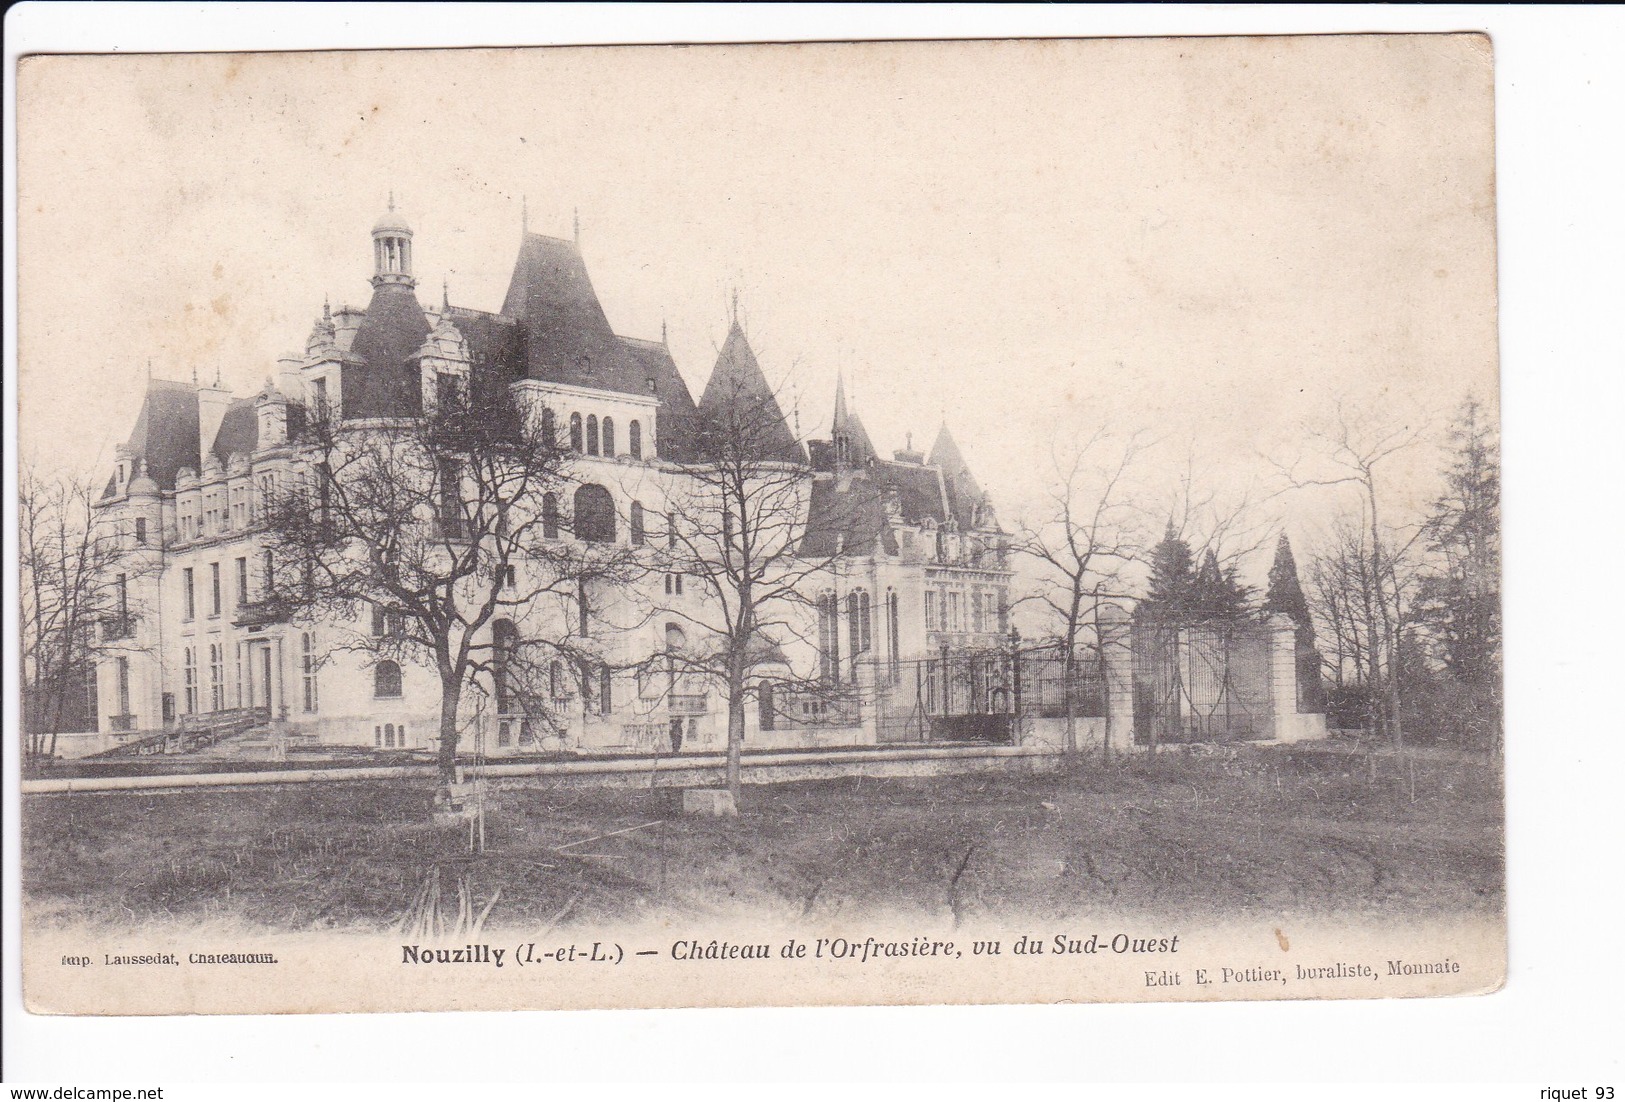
738,386
964,494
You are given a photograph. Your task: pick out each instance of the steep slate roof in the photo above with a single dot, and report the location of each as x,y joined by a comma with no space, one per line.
385,383
165,437
567,338
239,432
738,377
679,417
494,344
964,495
852,518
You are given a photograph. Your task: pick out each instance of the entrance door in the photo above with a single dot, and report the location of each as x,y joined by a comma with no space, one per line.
259,675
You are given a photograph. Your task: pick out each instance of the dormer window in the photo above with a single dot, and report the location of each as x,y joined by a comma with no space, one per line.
448,389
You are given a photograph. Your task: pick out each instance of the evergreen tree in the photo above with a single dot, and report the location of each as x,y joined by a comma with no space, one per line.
1461,599
1285,592
1172,581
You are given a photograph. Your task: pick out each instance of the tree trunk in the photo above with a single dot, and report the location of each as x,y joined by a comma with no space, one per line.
451,694
736,720
1070,673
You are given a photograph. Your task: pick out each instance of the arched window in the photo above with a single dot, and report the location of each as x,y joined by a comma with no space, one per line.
550,515
635,522
595,515
606,434
386,679
575,432
550,428
504,655
634,440
829,638
592,434
764,700
857,616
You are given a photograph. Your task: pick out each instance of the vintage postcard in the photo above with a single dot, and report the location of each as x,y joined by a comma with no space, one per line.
840,523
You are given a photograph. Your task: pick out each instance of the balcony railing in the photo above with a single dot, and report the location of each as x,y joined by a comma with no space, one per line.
257,614
688,704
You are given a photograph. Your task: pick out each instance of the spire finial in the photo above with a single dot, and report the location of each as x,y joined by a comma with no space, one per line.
909,437
577,213
524,214
735,318
149,369
663,339
327,309
194,374
445,294
217,376
391,198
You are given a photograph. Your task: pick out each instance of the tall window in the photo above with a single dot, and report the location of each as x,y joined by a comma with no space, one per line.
592,434
555,680
857,621
607,435
671,531
190,657
829,638
550,515
595,514
636,523
893,652
955,611
141,530
504,654
214,589
268,575
217,678
583,609
930,610
123,665
606,684
189,593
386,679
242,581
767,717
324,493
124,597
550,428
634,440
575,432
451,505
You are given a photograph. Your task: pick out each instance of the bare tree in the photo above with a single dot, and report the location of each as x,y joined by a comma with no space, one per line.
434,527
1080,543
737,525
1365,585
76,575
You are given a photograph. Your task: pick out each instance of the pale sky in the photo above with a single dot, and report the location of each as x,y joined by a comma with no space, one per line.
1204,238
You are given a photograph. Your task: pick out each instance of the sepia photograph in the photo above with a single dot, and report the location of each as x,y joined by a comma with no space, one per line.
834,523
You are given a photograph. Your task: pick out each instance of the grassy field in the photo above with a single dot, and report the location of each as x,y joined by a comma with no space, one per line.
1231,833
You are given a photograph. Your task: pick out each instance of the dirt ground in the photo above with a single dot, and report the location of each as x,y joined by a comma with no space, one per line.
1217,834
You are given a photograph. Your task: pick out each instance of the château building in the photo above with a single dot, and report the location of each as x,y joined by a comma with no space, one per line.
919,562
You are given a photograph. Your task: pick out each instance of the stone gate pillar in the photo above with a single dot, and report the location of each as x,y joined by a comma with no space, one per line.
1288,723
1117,645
